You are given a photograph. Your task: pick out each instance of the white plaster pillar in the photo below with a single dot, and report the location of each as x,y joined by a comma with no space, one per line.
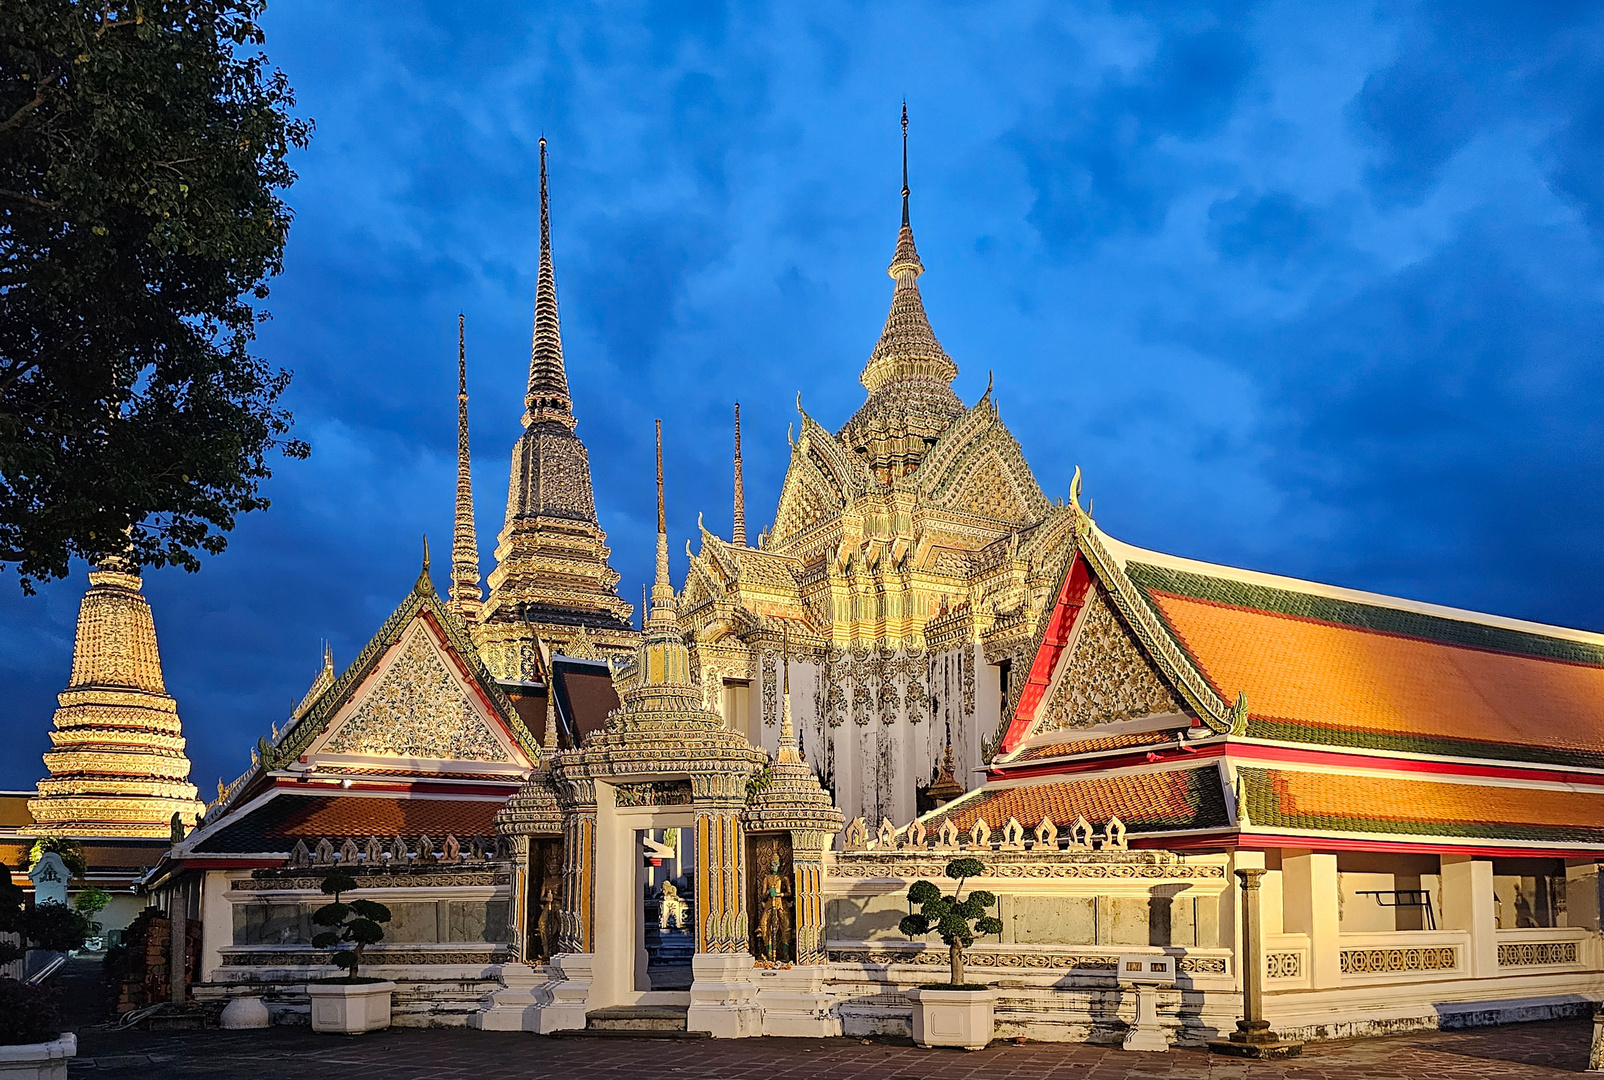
1270,903
1468,904
1582,894
1310,906
217,922
988,710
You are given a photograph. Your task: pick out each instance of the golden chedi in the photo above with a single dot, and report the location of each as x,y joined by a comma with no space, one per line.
118,767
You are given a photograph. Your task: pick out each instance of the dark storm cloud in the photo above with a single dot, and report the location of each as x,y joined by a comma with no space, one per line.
1310,288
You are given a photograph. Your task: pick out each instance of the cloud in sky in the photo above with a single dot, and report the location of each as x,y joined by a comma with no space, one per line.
1309,288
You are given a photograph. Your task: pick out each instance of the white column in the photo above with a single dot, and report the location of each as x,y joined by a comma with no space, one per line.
1581,893
1468,904
217,922
1309,906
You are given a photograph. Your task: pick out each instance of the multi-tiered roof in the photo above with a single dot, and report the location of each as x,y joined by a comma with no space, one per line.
1209,706
118,768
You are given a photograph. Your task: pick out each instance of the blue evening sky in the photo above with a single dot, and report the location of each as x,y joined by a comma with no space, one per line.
1309,288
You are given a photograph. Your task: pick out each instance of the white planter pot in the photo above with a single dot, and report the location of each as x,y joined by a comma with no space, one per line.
952,1017
244,1012
38,1061
350,1008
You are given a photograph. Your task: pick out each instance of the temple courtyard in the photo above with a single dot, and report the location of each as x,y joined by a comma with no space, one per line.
1517,1051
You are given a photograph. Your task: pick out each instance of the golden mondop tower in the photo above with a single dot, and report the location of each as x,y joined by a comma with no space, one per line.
118,767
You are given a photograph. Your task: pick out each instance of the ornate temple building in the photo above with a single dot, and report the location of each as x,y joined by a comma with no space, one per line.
118,768
910,553
552,581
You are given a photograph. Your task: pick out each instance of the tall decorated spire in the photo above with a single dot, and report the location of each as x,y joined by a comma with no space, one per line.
117,766
738,528
552,579
908,375
547,398
464,595
663,659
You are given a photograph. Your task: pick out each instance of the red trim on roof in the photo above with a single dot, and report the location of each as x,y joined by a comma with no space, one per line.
1301,754
1267,841
1164,753
1070,600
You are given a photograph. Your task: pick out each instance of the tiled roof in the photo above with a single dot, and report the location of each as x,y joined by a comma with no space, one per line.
1335,802
285,818
1145,802
1325,670
1134,740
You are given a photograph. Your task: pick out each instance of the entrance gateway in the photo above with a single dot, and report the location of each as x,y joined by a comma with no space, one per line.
757,831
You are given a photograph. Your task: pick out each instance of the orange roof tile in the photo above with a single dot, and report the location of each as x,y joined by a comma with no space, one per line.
1343,678
1337,802
1134,740
1145,802
283,819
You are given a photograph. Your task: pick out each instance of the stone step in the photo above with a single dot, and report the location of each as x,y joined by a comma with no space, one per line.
650,1020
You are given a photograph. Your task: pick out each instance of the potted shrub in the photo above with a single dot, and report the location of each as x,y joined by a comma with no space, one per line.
32,1044
349,1004
953,1013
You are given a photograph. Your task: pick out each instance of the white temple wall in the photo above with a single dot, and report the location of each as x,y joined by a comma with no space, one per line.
1067,914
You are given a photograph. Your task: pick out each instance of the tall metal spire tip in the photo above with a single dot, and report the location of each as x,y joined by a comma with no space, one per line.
905,191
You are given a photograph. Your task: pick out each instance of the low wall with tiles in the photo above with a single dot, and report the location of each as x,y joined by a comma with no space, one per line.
1067,916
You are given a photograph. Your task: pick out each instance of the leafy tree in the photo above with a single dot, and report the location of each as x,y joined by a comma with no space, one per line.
959,920
355,924
92,902
71,852
142,147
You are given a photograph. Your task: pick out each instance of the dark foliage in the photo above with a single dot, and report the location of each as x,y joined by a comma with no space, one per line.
52,927
28,1014
142,146
355,924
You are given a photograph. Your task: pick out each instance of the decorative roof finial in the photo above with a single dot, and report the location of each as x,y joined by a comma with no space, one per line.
738,529
548,741
464,592
662,589
905,191
788,747
424,585
547,398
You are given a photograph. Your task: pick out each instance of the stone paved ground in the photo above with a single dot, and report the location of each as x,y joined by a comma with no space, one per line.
1521,1051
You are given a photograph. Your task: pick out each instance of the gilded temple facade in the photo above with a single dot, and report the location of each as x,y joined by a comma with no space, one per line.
911,551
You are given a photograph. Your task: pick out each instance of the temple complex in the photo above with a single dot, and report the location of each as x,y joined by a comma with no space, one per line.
1390,814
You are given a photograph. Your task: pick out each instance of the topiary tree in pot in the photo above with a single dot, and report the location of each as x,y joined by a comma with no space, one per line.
958,919
356,924
349,1004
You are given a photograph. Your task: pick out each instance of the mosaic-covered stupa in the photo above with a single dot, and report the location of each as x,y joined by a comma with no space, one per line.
118,766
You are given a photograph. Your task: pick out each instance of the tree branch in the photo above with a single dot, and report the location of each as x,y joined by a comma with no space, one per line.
38,99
